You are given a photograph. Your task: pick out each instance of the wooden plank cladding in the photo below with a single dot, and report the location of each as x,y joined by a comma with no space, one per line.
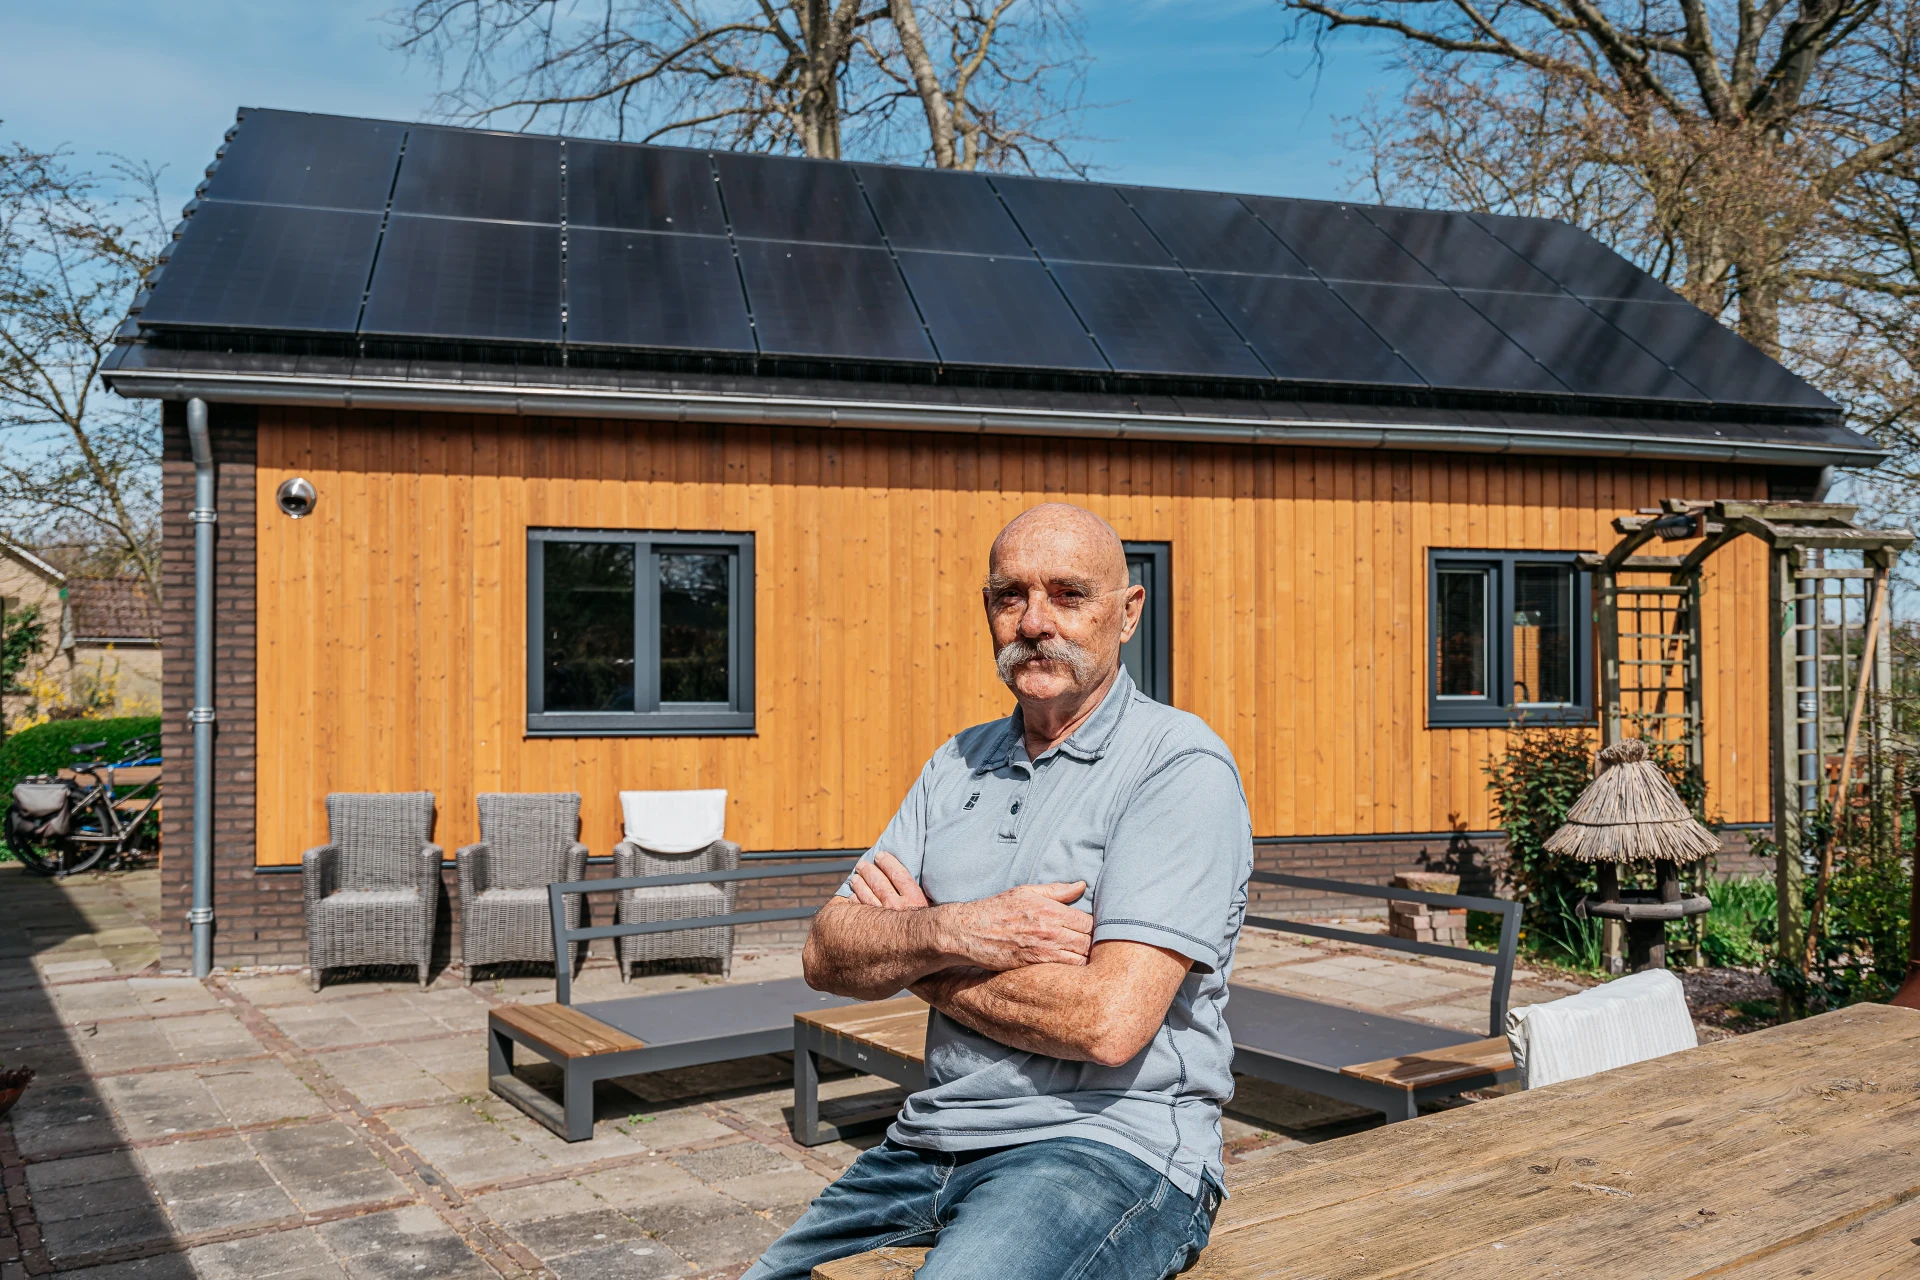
392,621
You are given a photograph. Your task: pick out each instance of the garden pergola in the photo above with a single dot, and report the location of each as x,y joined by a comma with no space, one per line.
1829,667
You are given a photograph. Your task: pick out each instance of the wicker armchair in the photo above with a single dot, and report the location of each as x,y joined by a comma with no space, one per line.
527,842
373,889
675,902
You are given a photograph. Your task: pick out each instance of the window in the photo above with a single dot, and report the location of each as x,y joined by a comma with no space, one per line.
1148,655
639,633
1510,637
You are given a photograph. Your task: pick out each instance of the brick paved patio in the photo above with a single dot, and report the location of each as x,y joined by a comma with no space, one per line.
248,1128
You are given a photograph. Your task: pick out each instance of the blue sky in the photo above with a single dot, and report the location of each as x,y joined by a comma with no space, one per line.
1203,95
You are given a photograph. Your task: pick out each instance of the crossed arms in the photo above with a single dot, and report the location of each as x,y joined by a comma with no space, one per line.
1020,967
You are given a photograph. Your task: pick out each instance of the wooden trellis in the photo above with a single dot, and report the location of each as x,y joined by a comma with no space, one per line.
1649,617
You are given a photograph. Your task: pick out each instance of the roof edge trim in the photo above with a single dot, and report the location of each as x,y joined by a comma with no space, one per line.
791,411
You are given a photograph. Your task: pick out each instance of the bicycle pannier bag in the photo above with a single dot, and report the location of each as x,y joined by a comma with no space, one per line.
41,807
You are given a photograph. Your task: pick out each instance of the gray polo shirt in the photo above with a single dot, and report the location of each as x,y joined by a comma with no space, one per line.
1143,803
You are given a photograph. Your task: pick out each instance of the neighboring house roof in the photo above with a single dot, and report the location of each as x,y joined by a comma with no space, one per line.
112,611
331,260
32,562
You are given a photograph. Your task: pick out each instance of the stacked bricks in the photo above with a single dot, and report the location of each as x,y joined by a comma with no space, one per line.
1418,922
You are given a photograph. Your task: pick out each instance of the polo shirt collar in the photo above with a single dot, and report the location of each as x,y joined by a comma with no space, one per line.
1088,743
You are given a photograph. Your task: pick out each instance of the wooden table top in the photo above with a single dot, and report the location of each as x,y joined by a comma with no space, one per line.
897,1026
1791,1152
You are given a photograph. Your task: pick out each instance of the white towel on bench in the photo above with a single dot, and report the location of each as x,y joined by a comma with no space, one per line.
1624,1021
674,821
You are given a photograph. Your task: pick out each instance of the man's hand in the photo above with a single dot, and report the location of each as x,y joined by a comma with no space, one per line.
886,882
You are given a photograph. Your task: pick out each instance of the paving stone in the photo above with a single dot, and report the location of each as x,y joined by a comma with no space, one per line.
382,1076
77,1171
560,1198
222,1196
164,1266
738,1160
636,1186
275,1255
792,1187
466,1146
402,1244
87,1199
721,1241
160,1103
102,1231
326,1166
643,1259
552,1237
710,1078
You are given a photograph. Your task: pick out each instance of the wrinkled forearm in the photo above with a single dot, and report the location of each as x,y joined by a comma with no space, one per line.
1105,1011
871,953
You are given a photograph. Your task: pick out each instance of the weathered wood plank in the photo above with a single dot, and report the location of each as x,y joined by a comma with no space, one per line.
897,1027
1417,1070
881,1264
566,1031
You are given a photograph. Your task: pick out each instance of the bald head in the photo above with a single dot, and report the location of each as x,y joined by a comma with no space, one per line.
1059,607
1073,538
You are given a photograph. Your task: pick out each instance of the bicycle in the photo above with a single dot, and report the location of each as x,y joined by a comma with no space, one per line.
57,826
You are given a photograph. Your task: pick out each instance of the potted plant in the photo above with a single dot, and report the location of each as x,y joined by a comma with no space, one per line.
13,1083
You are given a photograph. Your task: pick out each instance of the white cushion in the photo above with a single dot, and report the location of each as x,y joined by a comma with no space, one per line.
674,821
1620,1022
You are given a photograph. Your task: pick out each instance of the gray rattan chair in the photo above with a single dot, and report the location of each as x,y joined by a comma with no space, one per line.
373,889
675,902
527,842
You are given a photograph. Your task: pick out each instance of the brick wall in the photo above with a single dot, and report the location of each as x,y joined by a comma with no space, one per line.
256,921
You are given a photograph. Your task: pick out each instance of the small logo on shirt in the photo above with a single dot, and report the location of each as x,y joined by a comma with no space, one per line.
972,800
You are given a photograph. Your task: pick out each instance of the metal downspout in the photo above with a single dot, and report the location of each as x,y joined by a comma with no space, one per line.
201,717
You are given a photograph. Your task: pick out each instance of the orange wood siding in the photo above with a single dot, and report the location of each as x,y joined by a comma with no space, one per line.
392,621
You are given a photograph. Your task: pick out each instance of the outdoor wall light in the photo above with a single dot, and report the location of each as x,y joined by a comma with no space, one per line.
296,497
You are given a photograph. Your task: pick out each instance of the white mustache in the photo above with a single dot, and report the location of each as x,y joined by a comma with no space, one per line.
1014,653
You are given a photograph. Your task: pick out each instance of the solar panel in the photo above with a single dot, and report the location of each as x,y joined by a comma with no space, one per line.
642,189
831,300
1079,222
1446,341
1208,232
941,209
250,266
775,198
640,289
1152,321
323,162
1460,251
1580,263
460,173
1722,364
997,311
1303,331
1579,346
1337,242
444,278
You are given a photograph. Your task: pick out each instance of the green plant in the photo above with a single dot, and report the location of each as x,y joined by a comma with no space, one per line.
1533,786
43,749
1740,927
1574,942
22,633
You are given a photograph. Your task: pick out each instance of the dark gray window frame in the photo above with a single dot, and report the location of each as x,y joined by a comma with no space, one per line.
1497,710
652,719
1157,618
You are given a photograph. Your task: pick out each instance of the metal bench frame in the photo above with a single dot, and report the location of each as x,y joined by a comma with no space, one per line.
810,1045
1396,1103
572,1117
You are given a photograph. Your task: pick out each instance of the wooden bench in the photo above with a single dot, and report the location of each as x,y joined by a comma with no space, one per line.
606,1039
887,1038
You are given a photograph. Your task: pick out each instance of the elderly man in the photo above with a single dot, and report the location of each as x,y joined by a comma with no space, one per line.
1065,888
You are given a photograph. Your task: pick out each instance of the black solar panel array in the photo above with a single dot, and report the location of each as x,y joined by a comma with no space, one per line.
365,229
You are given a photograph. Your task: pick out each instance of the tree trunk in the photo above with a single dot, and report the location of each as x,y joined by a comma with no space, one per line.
925,81
820,100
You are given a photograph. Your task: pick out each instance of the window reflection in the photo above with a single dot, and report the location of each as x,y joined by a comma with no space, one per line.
587,632
1461,636
693,627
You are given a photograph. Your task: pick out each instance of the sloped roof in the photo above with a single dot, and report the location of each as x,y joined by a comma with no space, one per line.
112,609
338,260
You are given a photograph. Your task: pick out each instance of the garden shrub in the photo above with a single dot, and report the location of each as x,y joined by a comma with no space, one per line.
1533,786
43,748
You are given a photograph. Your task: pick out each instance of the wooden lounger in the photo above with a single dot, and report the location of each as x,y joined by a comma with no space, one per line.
887,1038
605,1039
1389,1064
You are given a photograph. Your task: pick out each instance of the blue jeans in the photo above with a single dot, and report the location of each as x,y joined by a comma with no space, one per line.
1062,1209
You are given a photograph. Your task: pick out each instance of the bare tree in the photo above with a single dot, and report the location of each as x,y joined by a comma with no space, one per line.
1720,145
76,465
965,83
